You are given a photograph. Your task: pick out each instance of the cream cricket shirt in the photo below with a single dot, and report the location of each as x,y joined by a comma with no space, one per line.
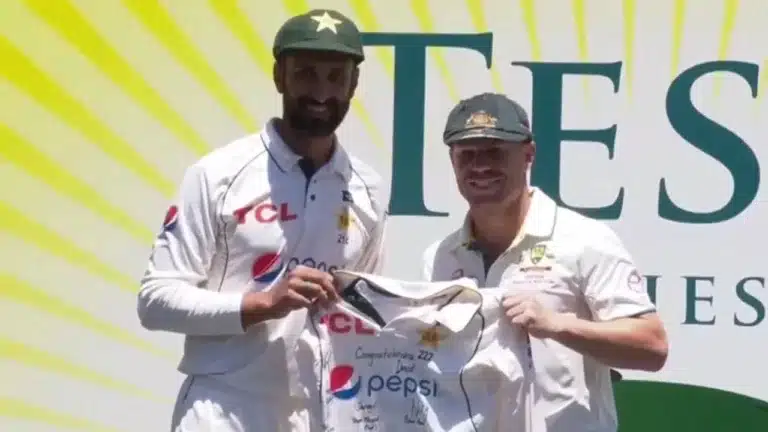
245,214
577,265
415,356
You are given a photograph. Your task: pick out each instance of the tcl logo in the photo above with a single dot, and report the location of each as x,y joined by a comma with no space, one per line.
265,213
338,322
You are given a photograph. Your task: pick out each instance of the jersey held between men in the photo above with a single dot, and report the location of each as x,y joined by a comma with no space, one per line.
403,356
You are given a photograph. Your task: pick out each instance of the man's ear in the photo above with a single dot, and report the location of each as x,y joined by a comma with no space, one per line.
530,156
355,78
277,76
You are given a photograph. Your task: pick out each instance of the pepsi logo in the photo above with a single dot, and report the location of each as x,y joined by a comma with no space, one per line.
267,267
340,379
171,218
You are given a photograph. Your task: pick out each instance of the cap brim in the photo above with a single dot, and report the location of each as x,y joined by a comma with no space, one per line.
489,133
320,45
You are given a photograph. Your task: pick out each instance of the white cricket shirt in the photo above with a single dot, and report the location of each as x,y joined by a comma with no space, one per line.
576,265
412,356
245,214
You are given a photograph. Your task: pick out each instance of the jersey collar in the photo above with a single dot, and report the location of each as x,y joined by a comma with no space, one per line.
458,310
539,222
457,314
286,160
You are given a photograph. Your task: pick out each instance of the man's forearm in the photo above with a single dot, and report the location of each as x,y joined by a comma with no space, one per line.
625,343
178,307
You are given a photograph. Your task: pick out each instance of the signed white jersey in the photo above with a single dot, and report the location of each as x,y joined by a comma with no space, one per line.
406,356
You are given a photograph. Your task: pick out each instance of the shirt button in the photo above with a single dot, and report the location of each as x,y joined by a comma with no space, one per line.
312,197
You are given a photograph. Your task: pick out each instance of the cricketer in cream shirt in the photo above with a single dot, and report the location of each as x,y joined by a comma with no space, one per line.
575,265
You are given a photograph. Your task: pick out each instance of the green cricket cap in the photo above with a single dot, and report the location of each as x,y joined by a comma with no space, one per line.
487,115
320,30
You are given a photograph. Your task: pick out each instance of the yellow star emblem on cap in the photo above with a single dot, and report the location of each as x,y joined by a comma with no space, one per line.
325,21
431,337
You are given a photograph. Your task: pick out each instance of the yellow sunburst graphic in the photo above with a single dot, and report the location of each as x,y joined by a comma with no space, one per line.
103,103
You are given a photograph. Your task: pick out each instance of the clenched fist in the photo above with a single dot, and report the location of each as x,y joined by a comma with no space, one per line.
299,288
524,310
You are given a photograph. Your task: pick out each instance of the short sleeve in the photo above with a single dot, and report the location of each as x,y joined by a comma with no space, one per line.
612,285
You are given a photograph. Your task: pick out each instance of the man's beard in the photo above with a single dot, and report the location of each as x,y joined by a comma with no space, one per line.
301,119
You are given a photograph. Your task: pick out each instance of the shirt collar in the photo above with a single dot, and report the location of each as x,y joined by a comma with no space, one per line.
458,309
538,222
457,314
287,160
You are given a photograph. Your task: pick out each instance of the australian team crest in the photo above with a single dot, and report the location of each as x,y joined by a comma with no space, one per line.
537,259
481,119
538,253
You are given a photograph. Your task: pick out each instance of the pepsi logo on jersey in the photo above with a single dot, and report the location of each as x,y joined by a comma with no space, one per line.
311,262
171,218
342,387
341,323
268,266
266,212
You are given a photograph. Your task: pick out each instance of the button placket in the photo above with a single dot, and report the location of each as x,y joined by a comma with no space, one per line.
507,259
311,190
309,208
476,268
315,209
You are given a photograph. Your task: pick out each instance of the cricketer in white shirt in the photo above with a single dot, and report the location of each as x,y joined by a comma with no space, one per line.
576,265
245,214
419,357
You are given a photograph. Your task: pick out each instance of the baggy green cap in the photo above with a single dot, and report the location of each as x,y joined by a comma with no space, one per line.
488,115
320,30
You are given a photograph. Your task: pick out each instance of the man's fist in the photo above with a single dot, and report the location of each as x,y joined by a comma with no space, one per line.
524,310
299,288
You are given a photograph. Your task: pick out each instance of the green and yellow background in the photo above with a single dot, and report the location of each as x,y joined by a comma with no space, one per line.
103,103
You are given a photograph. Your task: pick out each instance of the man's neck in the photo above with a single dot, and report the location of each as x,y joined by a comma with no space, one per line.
317,149
495,227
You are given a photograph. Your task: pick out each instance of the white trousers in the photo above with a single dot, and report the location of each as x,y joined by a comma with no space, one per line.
205,404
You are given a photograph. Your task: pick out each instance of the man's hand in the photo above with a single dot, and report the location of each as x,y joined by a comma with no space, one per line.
301,287
524,310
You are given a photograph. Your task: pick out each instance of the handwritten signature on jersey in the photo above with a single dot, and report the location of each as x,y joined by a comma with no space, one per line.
367,417
418,413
